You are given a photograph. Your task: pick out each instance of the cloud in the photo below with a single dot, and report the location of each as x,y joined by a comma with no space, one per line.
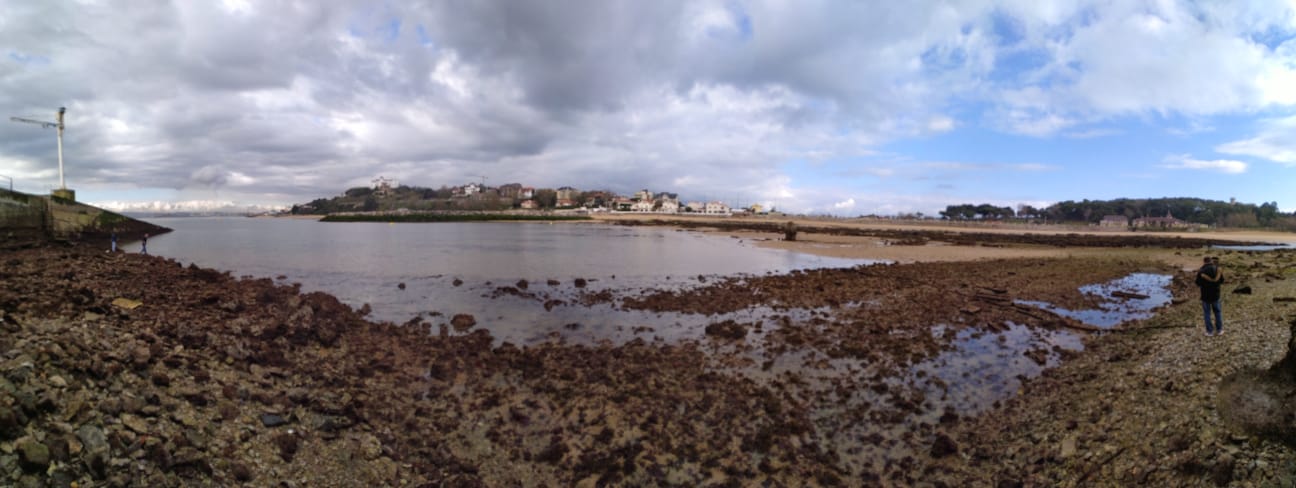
847,204
1274,142
1184,161
292,101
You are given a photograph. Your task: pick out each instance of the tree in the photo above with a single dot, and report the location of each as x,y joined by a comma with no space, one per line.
359,191
546,197
370,204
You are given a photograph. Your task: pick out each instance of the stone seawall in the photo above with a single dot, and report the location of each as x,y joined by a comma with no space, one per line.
26,219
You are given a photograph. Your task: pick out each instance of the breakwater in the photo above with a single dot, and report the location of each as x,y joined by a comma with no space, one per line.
26,219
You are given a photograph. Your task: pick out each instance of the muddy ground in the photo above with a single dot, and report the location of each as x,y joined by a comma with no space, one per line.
130,370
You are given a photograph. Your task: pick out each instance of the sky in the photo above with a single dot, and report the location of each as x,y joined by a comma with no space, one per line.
810,106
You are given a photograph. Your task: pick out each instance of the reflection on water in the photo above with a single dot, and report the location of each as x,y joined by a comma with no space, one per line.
1114,311
365,262
1261,248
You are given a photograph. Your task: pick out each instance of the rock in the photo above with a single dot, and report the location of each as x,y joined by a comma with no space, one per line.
727,330
457,282
241,472
9,425
93,440
370,447
580,282
463,321
1242,290
522,284
57,381
401,285
134,423
1222,472
943,446
272,420
287,444
33,455
1068,447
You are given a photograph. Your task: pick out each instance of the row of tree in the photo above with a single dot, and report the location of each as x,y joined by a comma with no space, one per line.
1195,210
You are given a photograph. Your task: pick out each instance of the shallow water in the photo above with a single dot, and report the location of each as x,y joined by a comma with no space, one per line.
365,262
1115,311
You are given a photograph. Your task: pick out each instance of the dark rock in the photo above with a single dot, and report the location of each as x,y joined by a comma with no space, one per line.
457,282
1242,290
727,330
272,420
34,456
10,427
580,282
287,444
553,282
943,446
401,285
522,284
463,321
241,472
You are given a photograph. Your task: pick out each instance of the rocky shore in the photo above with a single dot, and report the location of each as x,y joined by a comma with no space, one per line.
131,370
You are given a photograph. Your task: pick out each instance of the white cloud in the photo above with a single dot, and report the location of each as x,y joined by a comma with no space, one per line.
1275,142
1184,161
847,204
940,123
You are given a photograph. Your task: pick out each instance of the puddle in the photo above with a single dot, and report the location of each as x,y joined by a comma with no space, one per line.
1113,311
1262,248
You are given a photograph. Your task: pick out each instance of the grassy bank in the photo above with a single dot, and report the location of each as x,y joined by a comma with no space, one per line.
450,217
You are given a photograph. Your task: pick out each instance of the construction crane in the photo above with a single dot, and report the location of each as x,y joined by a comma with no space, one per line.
483,180
51,125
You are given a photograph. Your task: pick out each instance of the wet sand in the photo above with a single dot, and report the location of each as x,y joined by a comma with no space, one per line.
843,377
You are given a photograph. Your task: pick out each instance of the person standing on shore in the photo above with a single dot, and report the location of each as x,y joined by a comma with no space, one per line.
144,244
1209,279
114,242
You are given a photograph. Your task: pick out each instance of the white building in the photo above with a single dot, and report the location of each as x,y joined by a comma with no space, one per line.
715,208
642,206
472,189
669,206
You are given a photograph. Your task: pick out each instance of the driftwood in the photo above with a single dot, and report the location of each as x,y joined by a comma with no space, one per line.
1284,299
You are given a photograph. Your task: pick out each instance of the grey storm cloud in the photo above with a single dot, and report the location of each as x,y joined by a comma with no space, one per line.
302,99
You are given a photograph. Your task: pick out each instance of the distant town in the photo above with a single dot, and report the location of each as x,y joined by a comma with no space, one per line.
386,195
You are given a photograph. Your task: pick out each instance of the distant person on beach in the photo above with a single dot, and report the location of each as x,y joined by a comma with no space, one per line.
114,242
1209,279
144,245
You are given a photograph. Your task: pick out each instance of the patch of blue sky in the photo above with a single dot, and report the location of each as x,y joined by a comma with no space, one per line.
1007,30
393,29
741,30
1016,64
1272,37
423,37
29,59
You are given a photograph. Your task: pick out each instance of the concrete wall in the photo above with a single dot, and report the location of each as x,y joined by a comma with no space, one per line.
23,217
26,218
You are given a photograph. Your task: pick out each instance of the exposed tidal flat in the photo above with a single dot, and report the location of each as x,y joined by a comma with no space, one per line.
722,365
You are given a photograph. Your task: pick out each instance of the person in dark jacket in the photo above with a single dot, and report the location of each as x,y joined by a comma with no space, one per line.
1209,279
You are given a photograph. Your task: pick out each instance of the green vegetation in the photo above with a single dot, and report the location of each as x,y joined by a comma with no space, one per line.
449,217
418,199
1194,210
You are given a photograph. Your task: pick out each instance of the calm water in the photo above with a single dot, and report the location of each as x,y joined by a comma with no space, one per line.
365,262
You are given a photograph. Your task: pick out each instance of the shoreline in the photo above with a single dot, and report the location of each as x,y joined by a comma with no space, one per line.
200,376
